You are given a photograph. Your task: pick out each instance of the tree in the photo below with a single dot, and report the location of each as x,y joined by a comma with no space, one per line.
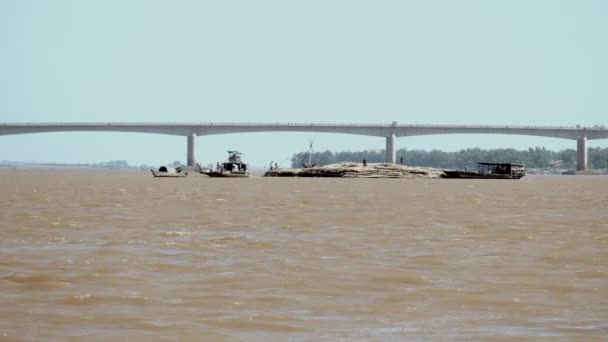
537,157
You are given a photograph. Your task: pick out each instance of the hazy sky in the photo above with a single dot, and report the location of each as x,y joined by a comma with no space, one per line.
479,62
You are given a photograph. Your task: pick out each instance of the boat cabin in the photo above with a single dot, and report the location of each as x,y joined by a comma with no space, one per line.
234,162
234,157
501,168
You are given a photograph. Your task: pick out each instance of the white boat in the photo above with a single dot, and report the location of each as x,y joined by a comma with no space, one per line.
164,171
233,167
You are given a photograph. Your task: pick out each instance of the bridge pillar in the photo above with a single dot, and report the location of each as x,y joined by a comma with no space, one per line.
581,154
390,149
191,150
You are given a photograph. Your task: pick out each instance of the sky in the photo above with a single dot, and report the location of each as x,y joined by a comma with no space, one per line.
542,62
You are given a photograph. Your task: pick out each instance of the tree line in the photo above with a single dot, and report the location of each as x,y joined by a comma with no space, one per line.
537,157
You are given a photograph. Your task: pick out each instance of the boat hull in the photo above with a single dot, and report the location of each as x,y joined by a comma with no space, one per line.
477,175
226,174
168,174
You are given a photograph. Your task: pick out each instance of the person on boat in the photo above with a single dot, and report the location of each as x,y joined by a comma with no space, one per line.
276,166
364,162
401,160
271,165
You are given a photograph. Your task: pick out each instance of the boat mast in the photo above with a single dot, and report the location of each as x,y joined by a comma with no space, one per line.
308,155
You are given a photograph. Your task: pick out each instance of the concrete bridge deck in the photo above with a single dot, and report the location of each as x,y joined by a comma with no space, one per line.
389,131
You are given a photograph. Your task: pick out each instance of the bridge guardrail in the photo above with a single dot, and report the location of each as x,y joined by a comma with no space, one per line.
298,124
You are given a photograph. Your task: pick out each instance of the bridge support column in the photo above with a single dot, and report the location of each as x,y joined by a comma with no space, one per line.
390,149
191,150
581,154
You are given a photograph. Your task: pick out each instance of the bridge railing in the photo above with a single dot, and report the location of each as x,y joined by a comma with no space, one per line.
293,124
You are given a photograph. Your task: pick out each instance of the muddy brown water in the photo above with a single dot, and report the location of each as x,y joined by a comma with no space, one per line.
119,255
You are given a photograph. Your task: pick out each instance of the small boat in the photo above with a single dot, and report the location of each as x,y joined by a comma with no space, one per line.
233,167
164,171
490,171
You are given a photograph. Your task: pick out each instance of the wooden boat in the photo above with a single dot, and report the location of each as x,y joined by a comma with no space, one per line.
164,171
490,171
233,167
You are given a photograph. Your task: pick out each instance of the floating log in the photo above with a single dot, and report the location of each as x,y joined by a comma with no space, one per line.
357,170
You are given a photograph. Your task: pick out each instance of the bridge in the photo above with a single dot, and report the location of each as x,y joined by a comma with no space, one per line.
388,131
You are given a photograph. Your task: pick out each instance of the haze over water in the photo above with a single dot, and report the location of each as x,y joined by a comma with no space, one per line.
120,255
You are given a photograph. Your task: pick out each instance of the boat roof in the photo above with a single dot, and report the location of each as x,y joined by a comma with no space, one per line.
512,164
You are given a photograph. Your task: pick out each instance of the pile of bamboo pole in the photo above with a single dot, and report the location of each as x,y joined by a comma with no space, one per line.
357,170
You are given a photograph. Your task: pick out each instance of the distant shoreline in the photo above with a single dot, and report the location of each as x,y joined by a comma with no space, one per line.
257,171
66,166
